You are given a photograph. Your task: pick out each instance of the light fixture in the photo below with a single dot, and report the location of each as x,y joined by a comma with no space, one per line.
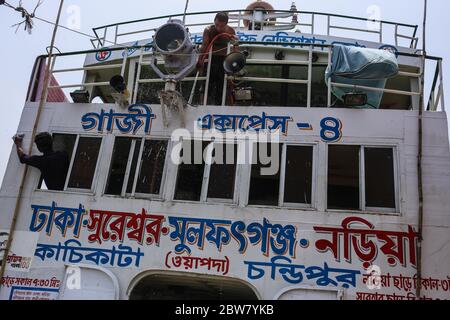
315,57
118,84
122,94
355,99
80,96
279,55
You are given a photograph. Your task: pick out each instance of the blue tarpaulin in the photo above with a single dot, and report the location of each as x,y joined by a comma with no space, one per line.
363,67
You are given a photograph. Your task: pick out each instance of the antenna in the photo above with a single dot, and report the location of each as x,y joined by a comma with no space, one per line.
185,11
425,26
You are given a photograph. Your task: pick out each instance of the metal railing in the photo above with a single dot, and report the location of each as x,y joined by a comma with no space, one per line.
436,97
436,100
306,22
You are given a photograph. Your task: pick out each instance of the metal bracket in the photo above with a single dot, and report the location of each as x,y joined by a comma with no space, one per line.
172,100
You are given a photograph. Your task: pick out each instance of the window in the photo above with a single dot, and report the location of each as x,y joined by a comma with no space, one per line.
152,166
298,174
83,153
402,83
64,143
285,94
291,185
222,177
343,177
61,143
191,171
265,188
210,180
397,101
380,188
137,167
118,166
361,178
84,163
148,92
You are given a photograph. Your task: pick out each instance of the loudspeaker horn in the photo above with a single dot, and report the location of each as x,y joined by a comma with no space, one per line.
234,63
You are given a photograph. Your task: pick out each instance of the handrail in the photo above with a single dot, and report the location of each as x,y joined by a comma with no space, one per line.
433,102
102,40
291,44
238,10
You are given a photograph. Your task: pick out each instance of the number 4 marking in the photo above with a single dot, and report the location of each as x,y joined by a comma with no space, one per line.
331,129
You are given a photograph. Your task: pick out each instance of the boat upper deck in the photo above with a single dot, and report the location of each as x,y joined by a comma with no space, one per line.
288,54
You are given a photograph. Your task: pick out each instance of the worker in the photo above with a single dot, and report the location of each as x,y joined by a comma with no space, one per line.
221,34
52,164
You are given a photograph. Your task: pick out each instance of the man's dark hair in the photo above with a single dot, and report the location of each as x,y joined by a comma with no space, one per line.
44,141
222,17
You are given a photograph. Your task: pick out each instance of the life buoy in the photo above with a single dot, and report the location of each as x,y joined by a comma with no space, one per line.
258,5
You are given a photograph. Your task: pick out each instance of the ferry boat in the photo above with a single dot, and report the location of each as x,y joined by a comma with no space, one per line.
357,208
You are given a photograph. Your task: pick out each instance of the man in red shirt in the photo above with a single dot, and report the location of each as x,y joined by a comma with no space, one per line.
219,48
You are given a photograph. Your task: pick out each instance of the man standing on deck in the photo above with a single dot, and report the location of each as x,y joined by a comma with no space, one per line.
219,48
53,165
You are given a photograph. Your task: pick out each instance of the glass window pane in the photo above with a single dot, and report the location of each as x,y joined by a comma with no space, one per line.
319,88
64,143
134,162
298,72
264,71
343,177
152,167
284,94
85,163
265,189
190,174
264,93
298,176
380,182
297,95
222,176
395,101
118,166
149,92
61,143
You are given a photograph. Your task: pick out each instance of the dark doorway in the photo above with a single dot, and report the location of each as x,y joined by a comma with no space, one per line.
182,287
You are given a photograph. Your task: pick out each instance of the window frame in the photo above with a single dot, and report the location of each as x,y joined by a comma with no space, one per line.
362,181
281,203
135,80
292,205
140,143
206,175
396,180
72,160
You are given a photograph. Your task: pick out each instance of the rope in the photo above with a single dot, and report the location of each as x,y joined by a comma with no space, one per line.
72,30
27,16
29,24
93,37
221,35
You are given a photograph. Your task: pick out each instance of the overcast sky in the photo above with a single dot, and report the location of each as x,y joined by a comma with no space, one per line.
19,50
